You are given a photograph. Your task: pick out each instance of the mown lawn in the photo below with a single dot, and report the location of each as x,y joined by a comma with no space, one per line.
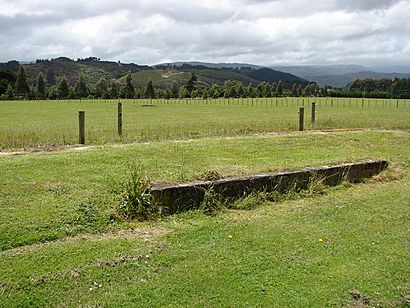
60,245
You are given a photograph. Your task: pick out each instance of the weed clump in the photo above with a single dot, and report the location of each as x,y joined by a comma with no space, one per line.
210,175
251,201
135,197
212,202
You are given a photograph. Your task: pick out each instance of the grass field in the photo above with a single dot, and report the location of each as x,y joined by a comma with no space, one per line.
33,124
61,246
62,242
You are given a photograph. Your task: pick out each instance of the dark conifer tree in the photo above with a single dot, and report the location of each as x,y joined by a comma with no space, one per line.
101,88
63,89
294,90
81,87
129,87
174,89
149,91
279,88
41,87
22,87
190,85
114,91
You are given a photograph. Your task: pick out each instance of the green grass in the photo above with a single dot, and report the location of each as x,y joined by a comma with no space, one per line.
33,124
64,193
303,252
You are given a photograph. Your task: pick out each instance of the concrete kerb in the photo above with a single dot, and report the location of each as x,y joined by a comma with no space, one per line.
181,197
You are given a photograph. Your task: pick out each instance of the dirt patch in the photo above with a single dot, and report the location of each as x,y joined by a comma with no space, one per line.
146,233
393,173
170,74
75,147
360,300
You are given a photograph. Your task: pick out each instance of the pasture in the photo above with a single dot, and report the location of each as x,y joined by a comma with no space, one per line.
62,244
33,124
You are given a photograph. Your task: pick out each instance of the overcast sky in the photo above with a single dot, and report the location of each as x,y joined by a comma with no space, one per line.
368,32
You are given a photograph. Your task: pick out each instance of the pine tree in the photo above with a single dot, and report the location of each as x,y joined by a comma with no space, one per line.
101,88
9,92
260,89
294,90
114,89
183,92
267,91
149,91
41,87
251,90
279,88
190,85
174,89
81,87
72,93
22,87
239,90
63,90
300,90
274,89
307,90
129,87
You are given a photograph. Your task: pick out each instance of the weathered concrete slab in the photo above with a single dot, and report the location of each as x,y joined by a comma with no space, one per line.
180,197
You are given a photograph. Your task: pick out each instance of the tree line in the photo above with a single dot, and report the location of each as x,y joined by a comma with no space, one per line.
21,89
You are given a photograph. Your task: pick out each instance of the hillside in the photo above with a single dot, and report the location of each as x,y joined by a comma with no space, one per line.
92,68
164,75
161,75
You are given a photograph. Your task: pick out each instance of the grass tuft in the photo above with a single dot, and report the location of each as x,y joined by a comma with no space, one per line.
135,199
212,202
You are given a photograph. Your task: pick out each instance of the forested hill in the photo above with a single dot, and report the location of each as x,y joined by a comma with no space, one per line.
94,69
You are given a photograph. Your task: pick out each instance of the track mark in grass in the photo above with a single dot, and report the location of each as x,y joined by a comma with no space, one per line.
145,234
82,148
139,255
122,259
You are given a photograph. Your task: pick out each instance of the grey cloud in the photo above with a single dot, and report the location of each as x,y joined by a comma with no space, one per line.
259,31
365,4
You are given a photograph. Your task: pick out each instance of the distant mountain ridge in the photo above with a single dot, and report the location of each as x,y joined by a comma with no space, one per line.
212,65
342,81
338,76
309,71
162,75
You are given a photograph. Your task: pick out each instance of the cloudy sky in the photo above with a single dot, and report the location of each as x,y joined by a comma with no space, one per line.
368,32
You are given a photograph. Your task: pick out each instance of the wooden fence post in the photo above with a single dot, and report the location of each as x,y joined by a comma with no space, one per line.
119,119
81,125
313,112
301,117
